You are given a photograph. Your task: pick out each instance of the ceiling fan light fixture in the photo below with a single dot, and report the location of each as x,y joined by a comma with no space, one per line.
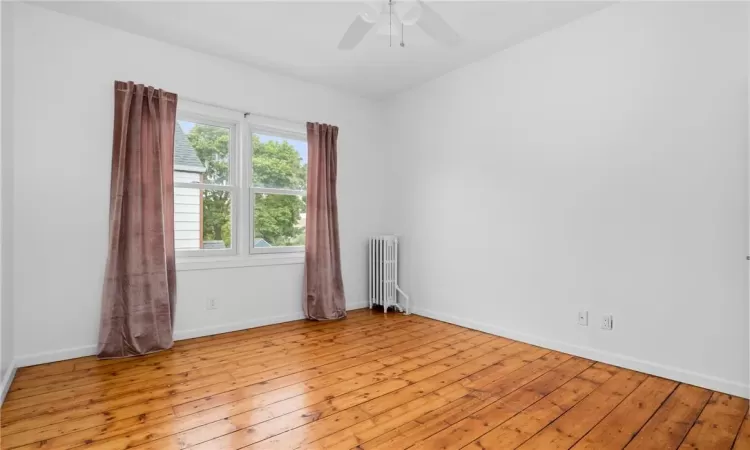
388,25
390,20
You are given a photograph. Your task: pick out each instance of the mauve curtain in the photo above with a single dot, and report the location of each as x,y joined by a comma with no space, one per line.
323,286
139,285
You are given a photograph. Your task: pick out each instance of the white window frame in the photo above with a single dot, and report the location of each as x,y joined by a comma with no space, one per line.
196,113
242,251
288,131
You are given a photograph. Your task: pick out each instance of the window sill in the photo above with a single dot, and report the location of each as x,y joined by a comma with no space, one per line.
229,262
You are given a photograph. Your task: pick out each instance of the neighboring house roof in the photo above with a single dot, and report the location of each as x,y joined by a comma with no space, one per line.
185,157
261,243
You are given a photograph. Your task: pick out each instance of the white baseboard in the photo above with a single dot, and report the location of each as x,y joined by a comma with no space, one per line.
358,305
54,355
7,380
236,326
628,362
244,325
88,350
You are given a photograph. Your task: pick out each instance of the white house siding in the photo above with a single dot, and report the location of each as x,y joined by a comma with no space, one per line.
187,212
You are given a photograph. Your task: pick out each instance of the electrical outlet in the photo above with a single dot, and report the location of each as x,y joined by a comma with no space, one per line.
583,318
607,322
212,303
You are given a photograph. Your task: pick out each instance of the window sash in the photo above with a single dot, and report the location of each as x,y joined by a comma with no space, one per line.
251,235
234,141
274,132
284,131
191,113
233,215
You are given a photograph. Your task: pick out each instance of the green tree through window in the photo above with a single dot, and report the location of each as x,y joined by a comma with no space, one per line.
275,164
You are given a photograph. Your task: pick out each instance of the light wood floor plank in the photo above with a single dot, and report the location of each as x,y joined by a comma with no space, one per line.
571,426
250,382
671,423
471,394
619,427
718,424
97,386
152,399
139,374
247,403
326,424
535,418
390,408
45,370
742,442
142,365
50,432
371,381
480,422
265,422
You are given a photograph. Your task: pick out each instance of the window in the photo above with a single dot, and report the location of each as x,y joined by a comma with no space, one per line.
240,187
278,191
205,186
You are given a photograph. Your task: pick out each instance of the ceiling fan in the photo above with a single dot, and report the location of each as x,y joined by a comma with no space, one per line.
389,19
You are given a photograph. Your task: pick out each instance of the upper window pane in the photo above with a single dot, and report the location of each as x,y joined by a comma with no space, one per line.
203,151
279,162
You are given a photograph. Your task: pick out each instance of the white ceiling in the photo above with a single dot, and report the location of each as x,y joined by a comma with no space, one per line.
300,39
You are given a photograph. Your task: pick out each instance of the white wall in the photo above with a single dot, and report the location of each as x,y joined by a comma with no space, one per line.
3,330
601,166
64,69
6,198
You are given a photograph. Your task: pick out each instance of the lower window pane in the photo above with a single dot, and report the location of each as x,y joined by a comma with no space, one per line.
202,219
279,220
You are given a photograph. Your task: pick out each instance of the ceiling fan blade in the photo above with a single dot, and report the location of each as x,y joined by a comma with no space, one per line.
356,32
412,15
435,26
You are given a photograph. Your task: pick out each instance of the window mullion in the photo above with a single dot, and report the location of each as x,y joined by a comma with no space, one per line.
244,165
250,201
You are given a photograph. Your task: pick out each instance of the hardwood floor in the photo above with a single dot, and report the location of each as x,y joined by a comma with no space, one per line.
368,382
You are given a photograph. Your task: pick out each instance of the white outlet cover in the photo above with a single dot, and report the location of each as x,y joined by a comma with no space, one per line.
583,318
607,322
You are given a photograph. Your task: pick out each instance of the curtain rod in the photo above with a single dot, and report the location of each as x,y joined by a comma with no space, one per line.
245,113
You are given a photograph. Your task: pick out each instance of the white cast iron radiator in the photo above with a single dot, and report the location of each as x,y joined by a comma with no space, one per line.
383,274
